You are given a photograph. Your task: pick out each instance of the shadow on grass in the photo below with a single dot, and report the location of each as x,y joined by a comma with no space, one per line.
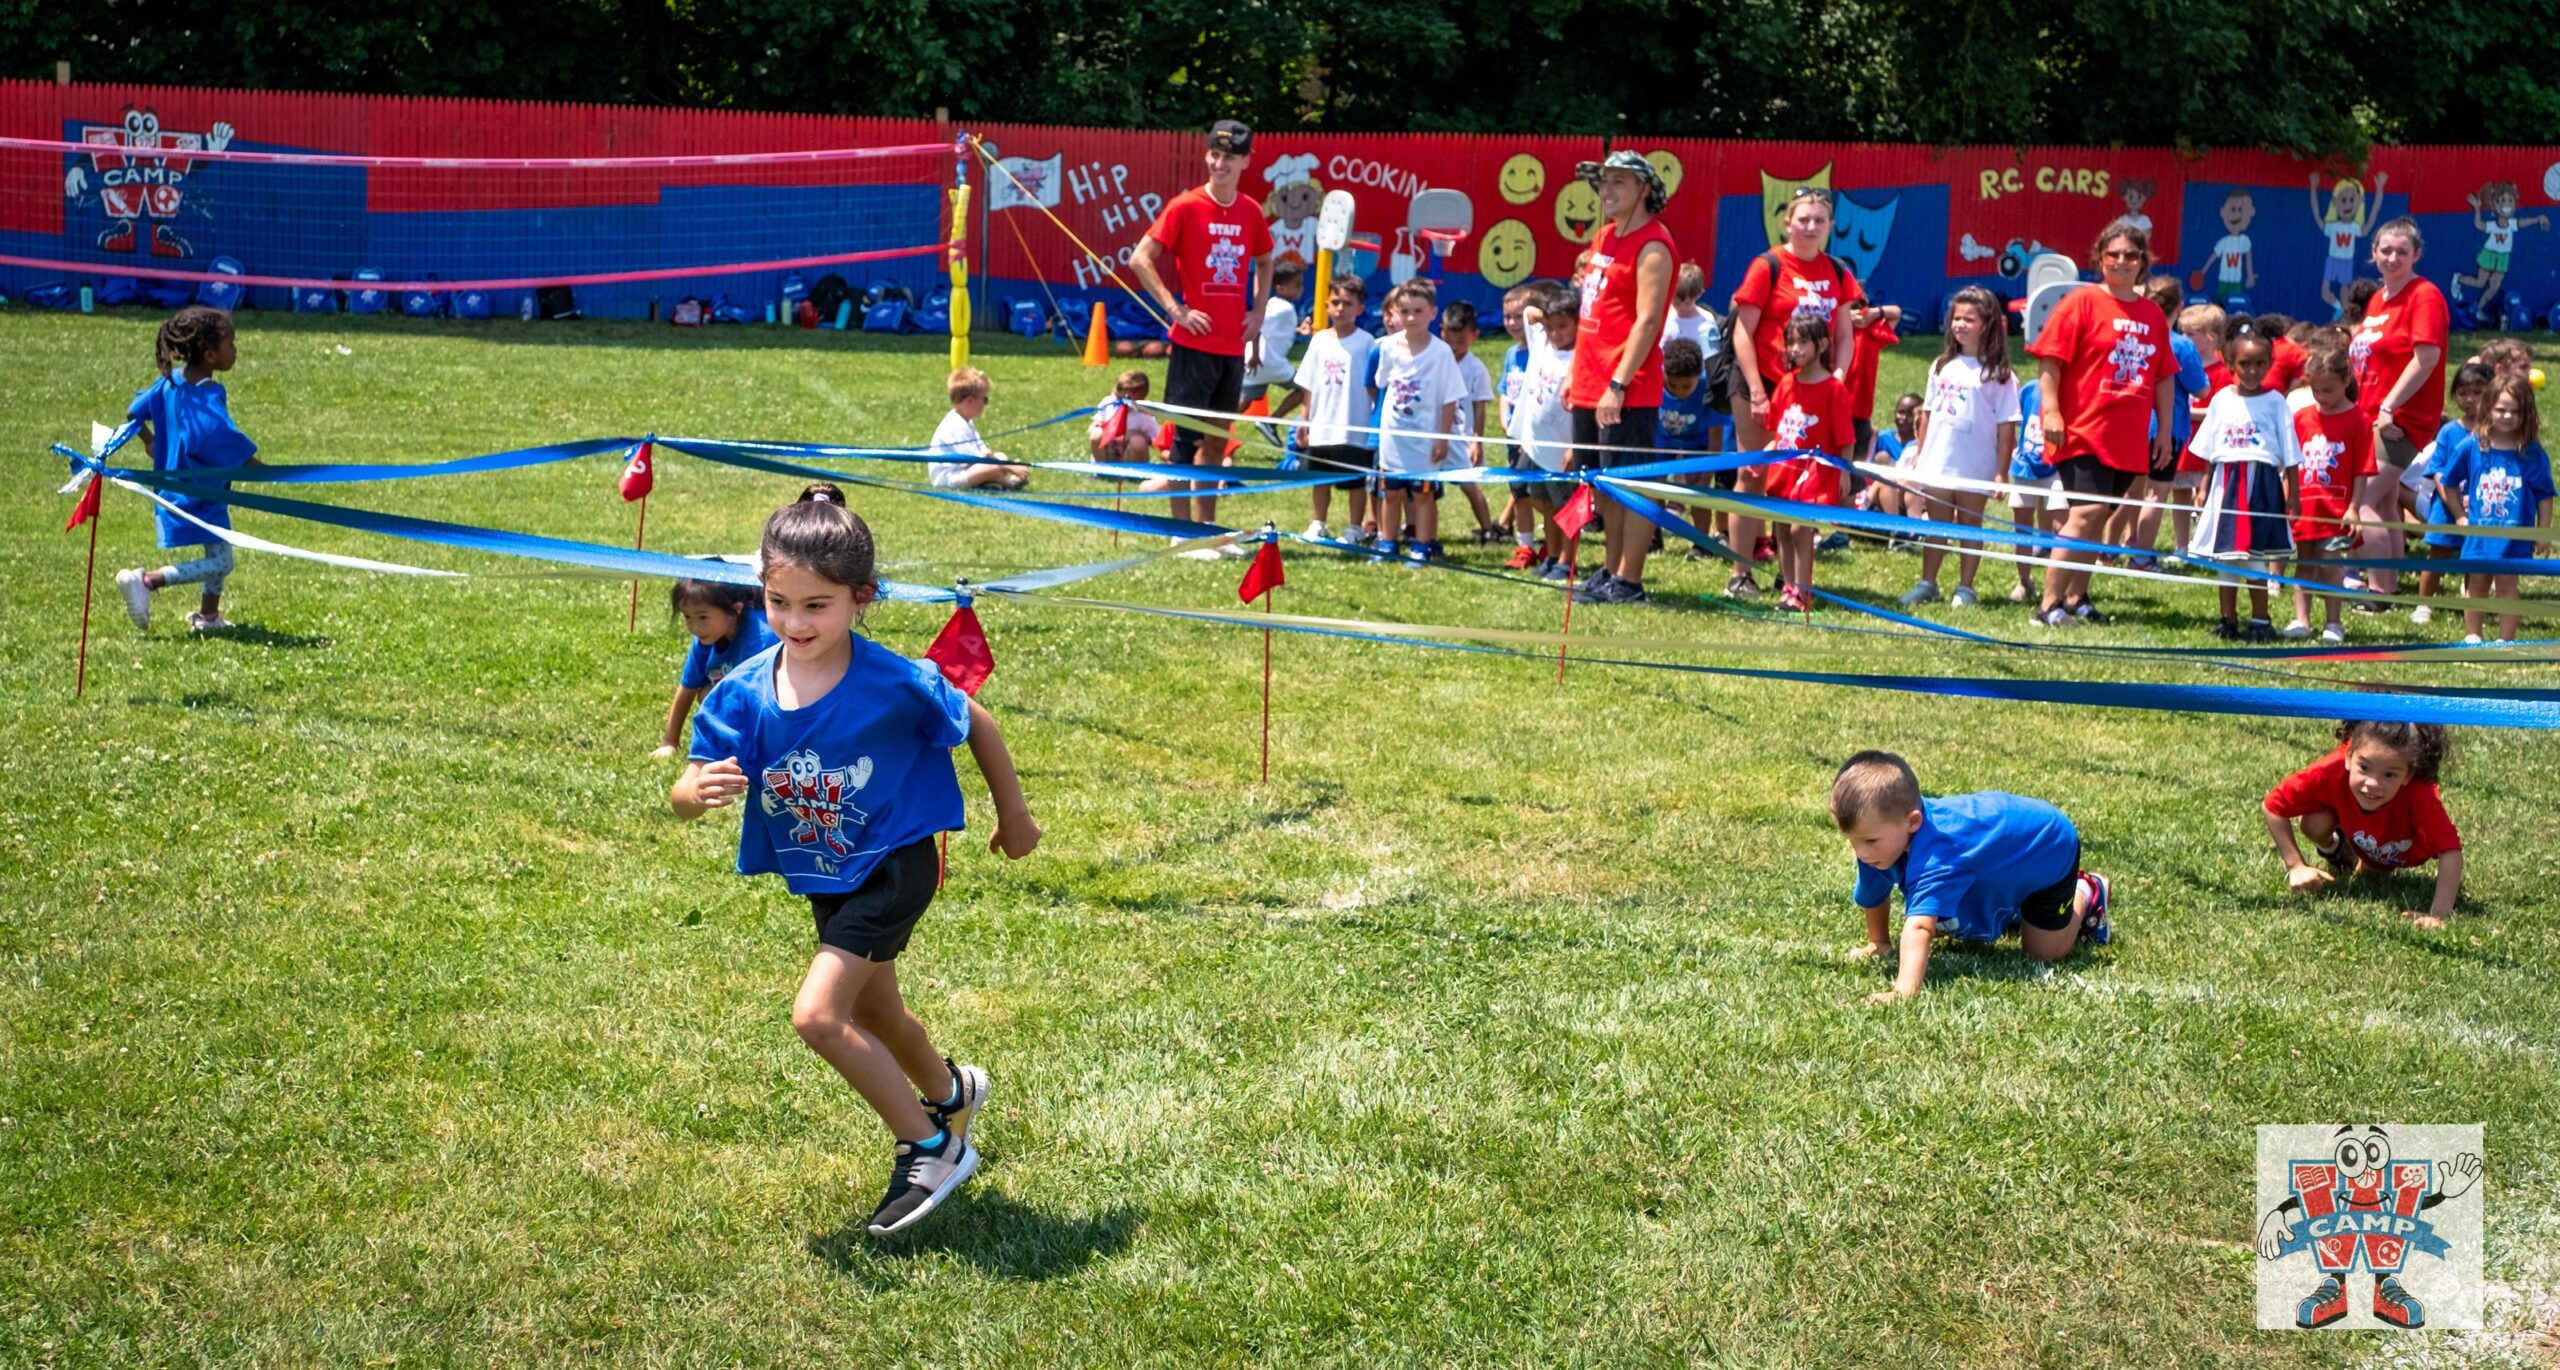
250,635
989,1230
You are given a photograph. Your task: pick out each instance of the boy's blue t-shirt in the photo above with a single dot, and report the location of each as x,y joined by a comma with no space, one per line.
834,787
2028,464
2191,382
706,664
1974,860
1889,446
1682,424
2500,489
191,429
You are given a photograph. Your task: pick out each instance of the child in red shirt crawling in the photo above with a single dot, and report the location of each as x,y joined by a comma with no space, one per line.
2371,805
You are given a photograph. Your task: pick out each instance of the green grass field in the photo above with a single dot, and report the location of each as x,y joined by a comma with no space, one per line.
361,1002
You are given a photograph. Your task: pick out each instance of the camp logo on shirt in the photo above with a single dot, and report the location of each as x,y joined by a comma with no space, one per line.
1404,396
1592,280
1949,396
2496,495
2130,354
2365,338
815,795
1814,297
2244,437
1793,425
1226,259
2320,455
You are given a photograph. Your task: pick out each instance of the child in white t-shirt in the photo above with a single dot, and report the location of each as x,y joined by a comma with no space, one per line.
1266,354
2253,458
1540,422
1418,396
957,436
1332,381
1968,429
1121,431
1689,319
1458,329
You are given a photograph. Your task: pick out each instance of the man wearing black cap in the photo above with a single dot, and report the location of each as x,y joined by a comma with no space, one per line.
1220,249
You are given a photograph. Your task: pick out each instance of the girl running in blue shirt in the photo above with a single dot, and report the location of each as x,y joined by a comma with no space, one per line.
846,748
727,623
186,424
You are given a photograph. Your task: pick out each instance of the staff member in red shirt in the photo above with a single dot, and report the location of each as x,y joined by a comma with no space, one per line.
2107,379
2398,352
1614,390
1798,277
1220,249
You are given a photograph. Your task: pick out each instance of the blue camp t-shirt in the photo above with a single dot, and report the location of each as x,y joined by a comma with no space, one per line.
2028,464
835,786
1683,424
2437,457
191,429
1889,447
2500,489
1974,860
706,664
2191,383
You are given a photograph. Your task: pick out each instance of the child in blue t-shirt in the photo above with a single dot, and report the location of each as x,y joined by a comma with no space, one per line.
2027,467
846,747
1977,866
186,424
2501,480
728,627
1890,446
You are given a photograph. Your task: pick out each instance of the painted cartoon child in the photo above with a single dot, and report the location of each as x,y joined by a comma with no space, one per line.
2235,262
2493,212
2349,217
2136,195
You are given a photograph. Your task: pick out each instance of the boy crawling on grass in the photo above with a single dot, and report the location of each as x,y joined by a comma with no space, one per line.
1978,866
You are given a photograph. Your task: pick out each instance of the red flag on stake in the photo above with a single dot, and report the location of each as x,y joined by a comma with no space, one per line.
1576,513
1264,575
87,509
960,649
639,473
1114,426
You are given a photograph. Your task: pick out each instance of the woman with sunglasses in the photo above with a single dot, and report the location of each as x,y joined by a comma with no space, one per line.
1797,277
2398,355
2104,367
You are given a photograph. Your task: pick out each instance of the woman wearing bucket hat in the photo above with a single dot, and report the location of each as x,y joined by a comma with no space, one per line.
1615,387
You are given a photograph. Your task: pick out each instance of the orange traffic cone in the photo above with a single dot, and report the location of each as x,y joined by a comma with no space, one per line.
1097,340
1235,445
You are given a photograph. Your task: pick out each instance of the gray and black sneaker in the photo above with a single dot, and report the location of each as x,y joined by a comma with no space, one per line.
970,1086
920,1180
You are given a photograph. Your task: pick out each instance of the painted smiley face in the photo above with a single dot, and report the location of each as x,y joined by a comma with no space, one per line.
1523,177
1507,254
1577,210
1667,166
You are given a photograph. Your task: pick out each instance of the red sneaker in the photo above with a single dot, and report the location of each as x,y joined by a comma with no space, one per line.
2396,1305
1522,558
2326,1305
1766,549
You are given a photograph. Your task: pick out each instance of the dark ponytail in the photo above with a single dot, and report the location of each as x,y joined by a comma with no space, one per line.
822,536
191,335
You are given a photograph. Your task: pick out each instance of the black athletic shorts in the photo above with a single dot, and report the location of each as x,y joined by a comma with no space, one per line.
2085,476
1352,464
2049,909
1200,380
874,920
1636,428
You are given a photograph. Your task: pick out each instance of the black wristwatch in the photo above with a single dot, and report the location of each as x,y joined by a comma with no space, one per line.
1618,386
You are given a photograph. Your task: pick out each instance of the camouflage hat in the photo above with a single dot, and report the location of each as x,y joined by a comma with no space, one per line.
1656,194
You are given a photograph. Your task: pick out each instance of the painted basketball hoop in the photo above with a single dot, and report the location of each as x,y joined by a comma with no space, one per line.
1435,223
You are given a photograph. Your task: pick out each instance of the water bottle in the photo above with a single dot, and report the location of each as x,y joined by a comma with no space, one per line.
87,300
527,311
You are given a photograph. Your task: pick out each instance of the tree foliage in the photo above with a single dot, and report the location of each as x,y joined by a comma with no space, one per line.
2312,76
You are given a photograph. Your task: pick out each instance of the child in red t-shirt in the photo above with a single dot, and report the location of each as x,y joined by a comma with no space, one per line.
2371,805
1808,412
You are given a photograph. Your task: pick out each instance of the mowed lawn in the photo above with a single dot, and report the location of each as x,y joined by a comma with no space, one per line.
361,1002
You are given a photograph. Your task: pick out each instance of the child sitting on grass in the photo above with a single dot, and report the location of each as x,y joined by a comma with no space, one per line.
958,437
2371,806
1977,866
727,623
1120,431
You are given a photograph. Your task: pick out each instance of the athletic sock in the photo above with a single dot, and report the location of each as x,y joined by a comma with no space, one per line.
1524,539
934,1142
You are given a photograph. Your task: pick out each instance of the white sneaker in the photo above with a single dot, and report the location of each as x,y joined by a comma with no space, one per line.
1965,598
1318,532
1237,549
1925,592
1199,554
2297,630
2471,640
137,598
2422,613
208,623
2333,635
2019,594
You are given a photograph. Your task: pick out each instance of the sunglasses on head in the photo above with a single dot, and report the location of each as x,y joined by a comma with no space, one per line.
1814,193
